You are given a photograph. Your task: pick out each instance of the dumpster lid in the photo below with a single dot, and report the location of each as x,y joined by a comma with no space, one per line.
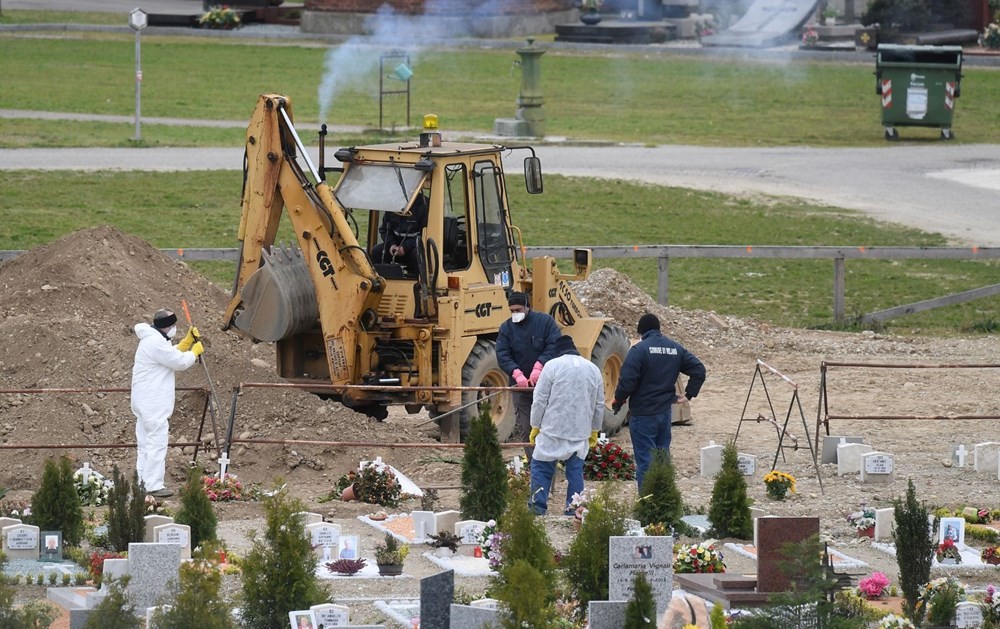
936,55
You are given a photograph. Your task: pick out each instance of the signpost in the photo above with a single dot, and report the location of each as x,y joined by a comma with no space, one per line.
138,20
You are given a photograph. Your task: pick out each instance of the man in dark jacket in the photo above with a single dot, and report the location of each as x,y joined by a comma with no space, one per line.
526,342
648,381
400,235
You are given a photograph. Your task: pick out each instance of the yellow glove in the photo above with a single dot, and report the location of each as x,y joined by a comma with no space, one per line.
534,433
188,340
593,439
198,349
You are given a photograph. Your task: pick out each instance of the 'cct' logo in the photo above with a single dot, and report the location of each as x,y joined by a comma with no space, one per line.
324,263
483,310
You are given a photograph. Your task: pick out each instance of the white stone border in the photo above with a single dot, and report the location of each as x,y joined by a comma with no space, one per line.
378,525
386,608
460,564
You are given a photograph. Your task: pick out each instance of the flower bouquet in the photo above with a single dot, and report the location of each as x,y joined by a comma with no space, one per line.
947,552
222,489
892,621
698,558
990,555
810,37
863,521
990,605
222,17
579,501
990,38
778,484
94,490
939,599
873,587
607,461
490,543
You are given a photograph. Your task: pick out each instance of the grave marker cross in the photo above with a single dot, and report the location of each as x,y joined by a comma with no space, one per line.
223,464
961,452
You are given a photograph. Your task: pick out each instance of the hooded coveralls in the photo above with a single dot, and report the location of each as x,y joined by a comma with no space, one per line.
156,360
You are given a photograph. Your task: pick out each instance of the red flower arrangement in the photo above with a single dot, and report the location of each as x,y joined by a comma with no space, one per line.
97,561
607,461
219,490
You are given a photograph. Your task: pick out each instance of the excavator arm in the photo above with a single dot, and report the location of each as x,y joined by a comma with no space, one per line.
280,292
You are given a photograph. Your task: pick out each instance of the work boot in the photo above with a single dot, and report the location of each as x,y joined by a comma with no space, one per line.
163,492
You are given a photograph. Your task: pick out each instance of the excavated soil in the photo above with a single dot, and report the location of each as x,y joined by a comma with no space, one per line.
67,314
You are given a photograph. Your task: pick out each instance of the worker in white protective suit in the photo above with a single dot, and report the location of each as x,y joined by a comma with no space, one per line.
566,413
156,360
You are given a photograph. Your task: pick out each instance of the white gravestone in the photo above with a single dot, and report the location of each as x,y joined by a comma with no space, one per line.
469,532
953,529
308,517
424,524
331,615
324,538
653,555
831,443
5,522
876,467
985,457
445,521
711,459
885,524
114,568
849,457
968,615
153,521
151,613
174,533
747,464
20,541
486,603
756,512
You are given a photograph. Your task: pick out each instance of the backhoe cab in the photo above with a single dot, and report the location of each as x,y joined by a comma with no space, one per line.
342,312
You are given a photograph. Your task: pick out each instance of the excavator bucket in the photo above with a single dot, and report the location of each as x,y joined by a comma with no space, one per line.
278,299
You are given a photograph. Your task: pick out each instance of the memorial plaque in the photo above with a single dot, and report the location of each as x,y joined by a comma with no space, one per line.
747,464
653,555
878,464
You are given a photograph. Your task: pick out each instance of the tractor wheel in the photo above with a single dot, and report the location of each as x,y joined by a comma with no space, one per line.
482,370
609,354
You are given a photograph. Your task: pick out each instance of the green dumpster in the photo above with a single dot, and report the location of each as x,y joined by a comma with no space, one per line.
918,86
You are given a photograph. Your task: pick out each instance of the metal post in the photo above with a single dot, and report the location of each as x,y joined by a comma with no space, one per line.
838,289
138,20
662,280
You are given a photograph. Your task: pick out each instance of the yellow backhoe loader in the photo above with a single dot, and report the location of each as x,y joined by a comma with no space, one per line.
341,312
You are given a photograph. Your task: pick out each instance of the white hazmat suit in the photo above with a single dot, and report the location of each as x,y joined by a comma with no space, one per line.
156,360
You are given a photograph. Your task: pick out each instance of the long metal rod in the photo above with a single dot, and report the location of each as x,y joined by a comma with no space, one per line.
372,387
86,446
366,444
90,390
298,143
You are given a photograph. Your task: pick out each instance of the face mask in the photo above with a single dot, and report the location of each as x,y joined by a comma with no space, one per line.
517,317
172,332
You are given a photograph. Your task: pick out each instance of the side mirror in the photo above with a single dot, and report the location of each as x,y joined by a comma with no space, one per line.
533,174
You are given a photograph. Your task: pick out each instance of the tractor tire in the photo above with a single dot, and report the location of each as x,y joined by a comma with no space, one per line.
609,355
481,369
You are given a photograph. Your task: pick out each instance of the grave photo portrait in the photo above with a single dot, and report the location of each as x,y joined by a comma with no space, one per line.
953,529
302,619
347,547
51,546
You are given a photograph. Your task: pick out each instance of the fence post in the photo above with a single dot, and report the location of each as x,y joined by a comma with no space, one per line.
662,280
838,289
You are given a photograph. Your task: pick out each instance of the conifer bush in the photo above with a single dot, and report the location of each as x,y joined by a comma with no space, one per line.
659,498
586,562
915,548
56,505
641,610
279,570
126,511
196,510
484,475
524,538
115,610
521,604
195,599
729,510
30,615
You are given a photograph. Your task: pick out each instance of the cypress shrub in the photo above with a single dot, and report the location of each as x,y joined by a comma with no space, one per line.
659,498
522,605
279,571
586,562
729,510
56,505
526,541
484,475
914,549
641,610
196,510
195,599
126,511
115,610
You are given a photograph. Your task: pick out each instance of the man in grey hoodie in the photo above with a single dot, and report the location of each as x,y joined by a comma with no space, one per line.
567,412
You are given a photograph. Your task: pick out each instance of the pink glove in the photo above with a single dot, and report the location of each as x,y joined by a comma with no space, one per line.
520,379
535,373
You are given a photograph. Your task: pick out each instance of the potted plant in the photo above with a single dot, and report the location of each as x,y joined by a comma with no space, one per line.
829,16
373,483
445,543
778,484
863,521
389,556
990,606
874,586
940,598
590,11
990,555
810,37
222,17
346,567
948,553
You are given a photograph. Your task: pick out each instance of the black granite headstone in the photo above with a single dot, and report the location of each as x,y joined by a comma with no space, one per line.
437,592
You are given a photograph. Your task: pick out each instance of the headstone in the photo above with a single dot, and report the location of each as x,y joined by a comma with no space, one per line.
301,618
51,546
985,457
436,594
5,522
633,528
772,535
606,614
653,555
876,467
330,615
968,615
469,531
885,523
831,443
114,568
151,567
756,512
470,617
308,517
711,459
445,521
424,524
151,615
959,454
324,538
20,541
486,603
953,529
849,457
153,521
174,533
747,464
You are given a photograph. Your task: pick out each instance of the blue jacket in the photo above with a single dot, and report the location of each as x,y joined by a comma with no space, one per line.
519,345
648,378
